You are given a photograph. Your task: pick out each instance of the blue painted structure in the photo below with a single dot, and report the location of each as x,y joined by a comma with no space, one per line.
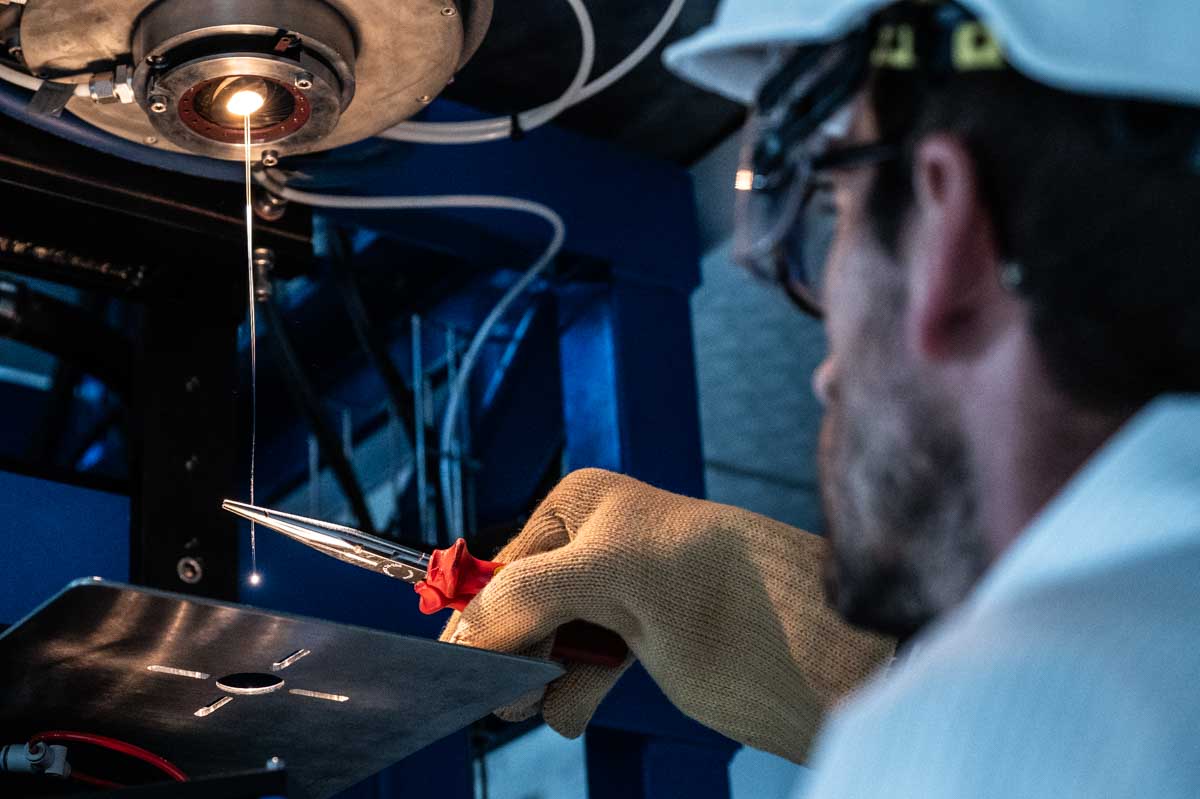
623,377
52,533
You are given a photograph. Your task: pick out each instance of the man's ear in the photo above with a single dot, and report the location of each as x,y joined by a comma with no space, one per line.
954,288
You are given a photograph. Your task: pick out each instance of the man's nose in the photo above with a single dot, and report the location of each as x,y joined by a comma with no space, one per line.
822,380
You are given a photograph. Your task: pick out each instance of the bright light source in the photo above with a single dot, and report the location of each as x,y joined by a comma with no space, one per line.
244,103
744,180
255,578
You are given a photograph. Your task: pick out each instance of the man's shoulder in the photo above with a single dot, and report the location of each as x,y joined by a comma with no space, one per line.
1083,684
1107,621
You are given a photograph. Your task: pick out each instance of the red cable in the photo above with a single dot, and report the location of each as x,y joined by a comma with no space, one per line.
97,781
160,763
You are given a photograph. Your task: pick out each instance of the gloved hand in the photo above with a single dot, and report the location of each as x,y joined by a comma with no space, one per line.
723,607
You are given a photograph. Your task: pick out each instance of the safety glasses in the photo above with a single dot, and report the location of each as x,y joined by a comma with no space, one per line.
785,217
786,223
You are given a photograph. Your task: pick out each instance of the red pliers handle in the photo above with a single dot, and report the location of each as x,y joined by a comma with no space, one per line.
454,578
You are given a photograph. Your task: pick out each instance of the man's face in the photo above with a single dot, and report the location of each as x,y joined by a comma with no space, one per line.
899,496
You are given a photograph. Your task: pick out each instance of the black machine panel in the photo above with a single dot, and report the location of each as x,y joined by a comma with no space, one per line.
219,688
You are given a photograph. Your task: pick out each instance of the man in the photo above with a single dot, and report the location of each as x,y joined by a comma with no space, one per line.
1010,456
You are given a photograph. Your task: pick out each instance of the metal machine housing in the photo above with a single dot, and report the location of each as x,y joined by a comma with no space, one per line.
357,66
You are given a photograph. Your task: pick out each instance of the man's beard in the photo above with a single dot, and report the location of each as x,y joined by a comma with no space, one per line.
900,506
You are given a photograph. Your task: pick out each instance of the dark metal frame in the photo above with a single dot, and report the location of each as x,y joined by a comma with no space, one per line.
173,247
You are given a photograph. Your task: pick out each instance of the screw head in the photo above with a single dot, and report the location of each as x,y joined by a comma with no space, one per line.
449,12
425,99
275,764
151,140
304,80
158,104
190,570
270,158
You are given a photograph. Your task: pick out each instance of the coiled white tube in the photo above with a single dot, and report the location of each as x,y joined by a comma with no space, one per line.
501,127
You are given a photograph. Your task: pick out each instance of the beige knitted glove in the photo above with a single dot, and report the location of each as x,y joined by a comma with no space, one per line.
723,607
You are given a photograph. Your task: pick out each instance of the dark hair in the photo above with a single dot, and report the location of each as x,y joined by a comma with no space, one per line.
1091,198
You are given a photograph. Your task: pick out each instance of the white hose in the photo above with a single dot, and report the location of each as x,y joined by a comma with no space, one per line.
459,389
501,127
27,81
637,56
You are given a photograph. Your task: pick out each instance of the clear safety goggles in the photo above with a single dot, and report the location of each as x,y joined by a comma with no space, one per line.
785,215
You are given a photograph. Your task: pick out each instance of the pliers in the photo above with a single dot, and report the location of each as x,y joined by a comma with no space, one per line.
444,578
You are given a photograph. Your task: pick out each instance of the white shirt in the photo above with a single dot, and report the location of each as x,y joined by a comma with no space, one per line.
1073,669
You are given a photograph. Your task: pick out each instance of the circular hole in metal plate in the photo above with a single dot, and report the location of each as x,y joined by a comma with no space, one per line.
249,683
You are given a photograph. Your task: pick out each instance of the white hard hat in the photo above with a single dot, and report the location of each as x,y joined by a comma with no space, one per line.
1128,48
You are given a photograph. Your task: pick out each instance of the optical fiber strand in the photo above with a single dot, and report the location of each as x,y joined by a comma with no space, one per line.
254,576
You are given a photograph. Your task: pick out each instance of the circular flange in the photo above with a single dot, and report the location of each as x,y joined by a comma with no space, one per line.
250,683
313,114
404,50
185,51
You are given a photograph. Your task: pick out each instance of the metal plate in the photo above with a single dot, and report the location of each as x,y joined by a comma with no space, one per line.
84,662
407,49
